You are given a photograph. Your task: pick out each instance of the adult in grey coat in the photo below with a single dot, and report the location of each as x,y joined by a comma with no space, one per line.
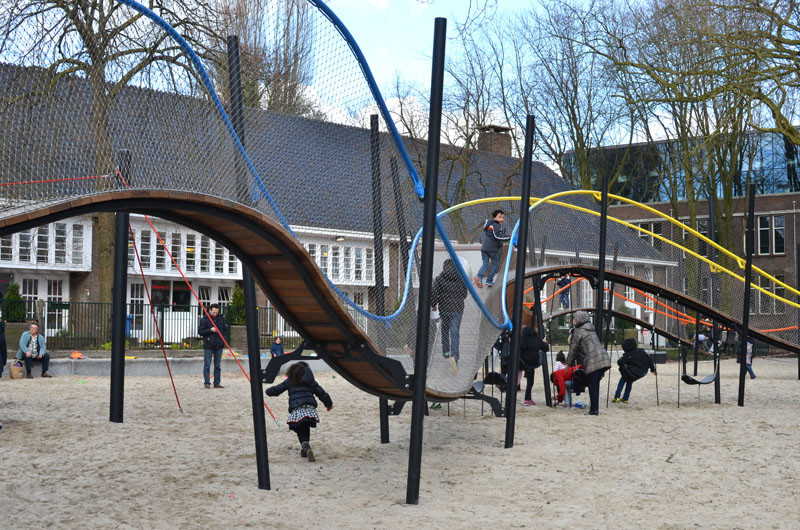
585,349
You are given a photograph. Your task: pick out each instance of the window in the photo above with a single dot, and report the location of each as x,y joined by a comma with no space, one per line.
778,233
587,294
176,243
77,245
55,311
764,300
763,234
61,243
25,238
232,263
358,298
335,251
312,250
42,244
648,300
144,248
181,297
224,295
161,255
137,306
629,292
6,248
131,257
219,258
780,307
323,258
702,227
30,293
657,243
347,265
205,254
191,254
358,268
369,264
204,294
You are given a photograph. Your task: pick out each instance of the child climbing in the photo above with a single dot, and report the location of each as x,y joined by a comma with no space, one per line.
633,365
303,415
494,235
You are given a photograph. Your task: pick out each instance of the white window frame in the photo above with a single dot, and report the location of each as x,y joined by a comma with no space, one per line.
761,231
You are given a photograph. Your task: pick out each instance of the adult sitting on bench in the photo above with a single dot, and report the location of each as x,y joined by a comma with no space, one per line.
633,365
32,348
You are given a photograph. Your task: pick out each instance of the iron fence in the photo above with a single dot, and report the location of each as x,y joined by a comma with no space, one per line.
87,325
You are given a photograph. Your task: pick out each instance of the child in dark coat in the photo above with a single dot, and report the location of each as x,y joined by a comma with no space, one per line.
303,415
633,365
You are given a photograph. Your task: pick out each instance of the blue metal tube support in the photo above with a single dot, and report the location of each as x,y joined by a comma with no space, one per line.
426,266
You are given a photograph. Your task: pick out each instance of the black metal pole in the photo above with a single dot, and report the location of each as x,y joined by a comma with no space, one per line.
377,245
401,216
715,330
696,341
601,263
519,285
118,316
426,268
748,276
250,308
537,304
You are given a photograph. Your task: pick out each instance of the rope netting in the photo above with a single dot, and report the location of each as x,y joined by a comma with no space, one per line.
306,160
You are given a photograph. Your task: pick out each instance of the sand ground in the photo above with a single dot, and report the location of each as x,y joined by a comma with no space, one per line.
634,466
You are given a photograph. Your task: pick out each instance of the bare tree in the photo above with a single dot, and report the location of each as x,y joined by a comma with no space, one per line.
111,46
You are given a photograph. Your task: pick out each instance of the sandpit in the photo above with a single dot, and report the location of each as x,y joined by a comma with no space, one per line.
634,466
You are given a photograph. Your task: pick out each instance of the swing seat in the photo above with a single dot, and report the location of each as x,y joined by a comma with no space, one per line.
497,379
689,380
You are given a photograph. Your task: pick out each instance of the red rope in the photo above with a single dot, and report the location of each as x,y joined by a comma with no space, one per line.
155,320
52,180
205,311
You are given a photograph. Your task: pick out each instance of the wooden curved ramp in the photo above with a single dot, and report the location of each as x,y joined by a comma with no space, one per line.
278,263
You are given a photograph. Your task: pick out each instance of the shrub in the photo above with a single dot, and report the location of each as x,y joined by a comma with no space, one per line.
14,304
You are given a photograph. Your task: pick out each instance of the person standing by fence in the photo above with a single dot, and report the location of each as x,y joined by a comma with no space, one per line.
212,344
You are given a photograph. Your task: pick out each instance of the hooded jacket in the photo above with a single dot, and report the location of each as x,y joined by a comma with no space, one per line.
560,378
585,347
635,362
449,292
529,347
494,235
302,395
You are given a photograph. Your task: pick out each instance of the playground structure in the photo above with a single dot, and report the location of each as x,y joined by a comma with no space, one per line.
247,180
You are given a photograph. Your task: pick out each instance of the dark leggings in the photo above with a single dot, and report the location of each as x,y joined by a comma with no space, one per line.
529,373
303,432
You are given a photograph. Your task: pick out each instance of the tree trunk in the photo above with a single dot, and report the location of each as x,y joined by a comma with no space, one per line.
104,228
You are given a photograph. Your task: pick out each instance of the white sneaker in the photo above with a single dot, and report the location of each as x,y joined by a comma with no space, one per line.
453,366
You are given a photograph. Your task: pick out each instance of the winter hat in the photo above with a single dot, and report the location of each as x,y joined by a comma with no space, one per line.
580,317
629,345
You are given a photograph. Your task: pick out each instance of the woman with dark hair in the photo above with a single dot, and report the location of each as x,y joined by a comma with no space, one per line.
531,347
303,415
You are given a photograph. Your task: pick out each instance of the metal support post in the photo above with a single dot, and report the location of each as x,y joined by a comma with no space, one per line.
250,308
377,245
118,317
426,267
715,331
748,276
537,304
519,285
601,264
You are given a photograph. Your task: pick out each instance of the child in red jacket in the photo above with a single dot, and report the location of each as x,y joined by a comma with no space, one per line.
563,381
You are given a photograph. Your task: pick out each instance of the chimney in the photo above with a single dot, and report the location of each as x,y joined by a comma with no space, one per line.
495,139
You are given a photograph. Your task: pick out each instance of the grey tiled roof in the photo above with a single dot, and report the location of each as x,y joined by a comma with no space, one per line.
319,173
